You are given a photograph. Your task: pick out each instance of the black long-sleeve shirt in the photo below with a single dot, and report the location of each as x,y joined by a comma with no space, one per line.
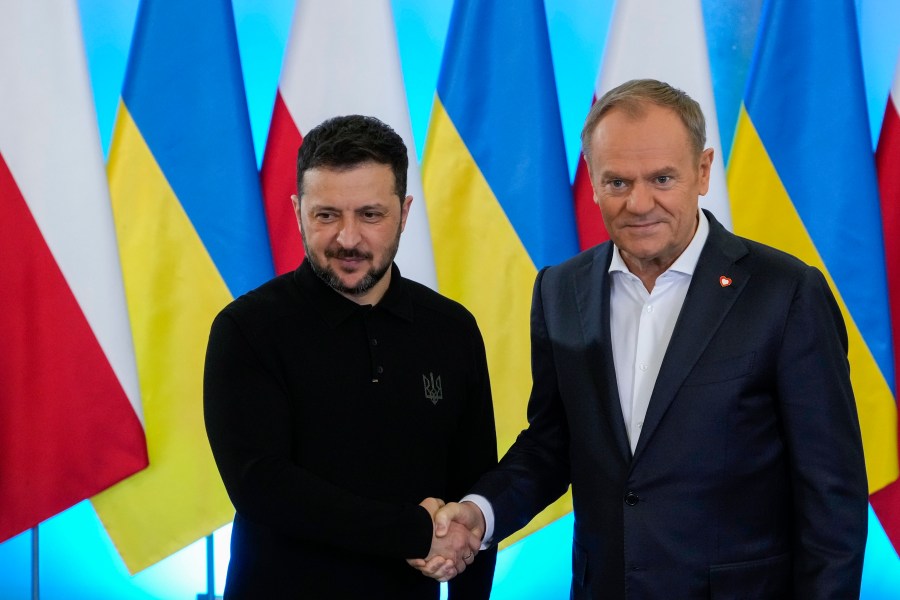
330,421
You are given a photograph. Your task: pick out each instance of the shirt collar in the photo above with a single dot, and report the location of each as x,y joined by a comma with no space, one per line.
335,308
685,263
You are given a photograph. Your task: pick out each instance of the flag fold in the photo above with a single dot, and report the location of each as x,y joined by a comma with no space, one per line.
497,187
189,217
802,178
70,407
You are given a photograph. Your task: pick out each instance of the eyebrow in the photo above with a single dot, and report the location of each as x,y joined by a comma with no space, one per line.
368,207
663,171
363,208
666,170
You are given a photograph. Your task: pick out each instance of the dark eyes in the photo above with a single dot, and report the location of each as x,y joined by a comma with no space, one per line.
369,215
622,184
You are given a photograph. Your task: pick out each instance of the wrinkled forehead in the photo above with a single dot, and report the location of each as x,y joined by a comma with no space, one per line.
641,126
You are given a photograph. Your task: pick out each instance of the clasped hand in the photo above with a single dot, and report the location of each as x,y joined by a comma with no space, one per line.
458,529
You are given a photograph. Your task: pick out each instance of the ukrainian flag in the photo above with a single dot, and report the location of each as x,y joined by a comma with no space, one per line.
191,233
802,178
497,188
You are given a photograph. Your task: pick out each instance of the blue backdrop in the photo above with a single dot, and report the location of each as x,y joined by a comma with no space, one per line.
77,558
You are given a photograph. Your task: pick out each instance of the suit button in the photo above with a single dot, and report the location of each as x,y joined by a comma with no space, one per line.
631,499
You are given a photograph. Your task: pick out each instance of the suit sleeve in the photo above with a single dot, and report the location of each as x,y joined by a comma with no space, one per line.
828,475
249,430
535,470
475,448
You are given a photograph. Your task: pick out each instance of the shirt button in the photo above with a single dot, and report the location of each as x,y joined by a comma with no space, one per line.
631,499
649,308
380,370
643,367
639,424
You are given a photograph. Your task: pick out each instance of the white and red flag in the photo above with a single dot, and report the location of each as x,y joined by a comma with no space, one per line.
886,502
664,40
341,59
70,416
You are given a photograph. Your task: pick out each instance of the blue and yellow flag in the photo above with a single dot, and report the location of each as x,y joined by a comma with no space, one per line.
191,233
802,178
497,188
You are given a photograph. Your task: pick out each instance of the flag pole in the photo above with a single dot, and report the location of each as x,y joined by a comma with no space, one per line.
35,565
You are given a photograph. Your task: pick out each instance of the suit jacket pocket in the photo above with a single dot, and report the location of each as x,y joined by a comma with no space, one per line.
762,579
716,371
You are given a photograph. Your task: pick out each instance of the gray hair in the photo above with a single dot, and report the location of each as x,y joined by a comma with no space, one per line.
633,96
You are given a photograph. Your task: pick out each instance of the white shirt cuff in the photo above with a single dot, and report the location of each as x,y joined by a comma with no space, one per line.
488,512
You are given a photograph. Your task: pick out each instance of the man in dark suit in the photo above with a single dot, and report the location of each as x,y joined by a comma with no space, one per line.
692,386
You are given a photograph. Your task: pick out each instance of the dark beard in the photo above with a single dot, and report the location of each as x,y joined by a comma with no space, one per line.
330,277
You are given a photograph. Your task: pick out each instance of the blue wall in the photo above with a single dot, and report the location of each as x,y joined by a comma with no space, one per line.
77,558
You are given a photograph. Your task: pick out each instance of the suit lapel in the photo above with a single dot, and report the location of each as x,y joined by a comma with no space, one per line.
705,306
591,284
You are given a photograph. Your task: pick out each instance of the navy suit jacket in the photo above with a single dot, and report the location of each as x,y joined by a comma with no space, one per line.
748,479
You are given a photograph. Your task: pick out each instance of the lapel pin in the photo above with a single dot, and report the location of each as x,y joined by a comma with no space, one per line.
724,281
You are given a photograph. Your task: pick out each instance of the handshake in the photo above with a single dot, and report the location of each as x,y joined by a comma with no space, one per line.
458,531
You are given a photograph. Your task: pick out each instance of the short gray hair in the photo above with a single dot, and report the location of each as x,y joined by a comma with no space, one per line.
632,97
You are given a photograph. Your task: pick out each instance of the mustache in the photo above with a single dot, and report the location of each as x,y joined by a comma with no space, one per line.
341,253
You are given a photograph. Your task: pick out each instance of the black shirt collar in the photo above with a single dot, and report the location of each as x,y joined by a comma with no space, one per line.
336,308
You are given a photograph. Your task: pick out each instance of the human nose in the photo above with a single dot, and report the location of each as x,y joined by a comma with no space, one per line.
641,199
348,236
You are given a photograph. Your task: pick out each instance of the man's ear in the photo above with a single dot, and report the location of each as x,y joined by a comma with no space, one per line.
295,201
705,167
404,211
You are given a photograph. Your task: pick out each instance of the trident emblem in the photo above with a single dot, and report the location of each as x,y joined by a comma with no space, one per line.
433,390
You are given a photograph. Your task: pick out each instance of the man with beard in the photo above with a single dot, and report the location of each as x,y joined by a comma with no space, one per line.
341,399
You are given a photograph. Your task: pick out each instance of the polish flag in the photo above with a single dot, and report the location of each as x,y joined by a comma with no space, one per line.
341,59
886,502
70,416
664,40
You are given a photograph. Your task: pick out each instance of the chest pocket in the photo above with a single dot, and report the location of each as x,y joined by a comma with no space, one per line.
718,371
